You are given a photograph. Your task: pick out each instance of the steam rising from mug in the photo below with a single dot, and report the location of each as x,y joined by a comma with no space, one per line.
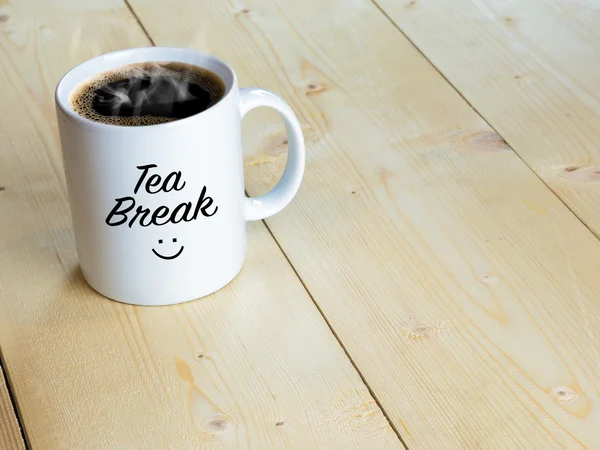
147,94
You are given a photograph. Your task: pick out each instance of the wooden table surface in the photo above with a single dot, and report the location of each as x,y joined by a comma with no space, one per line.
434,285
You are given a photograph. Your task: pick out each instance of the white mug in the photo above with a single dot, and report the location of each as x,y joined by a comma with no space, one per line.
159,211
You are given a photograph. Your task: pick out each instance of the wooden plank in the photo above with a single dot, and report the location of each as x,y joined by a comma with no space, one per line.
253,366
10,432
531,69
463,289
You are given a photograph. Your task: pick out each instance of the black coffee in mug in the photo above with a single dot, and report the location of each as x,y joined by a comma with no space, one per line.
147,93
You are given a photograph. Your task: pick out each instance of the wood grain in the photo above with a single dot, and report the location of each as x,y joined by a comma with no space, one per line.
10,432
463,289
253,366
531,69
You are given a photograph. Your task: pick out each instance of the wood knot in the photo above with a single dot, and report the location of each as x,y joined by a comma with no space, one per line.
278,424
314,88
262,158
424,330
4,18
218,423
274,152
488,278
202,355
579,173
563,393
521,76
244,12
411,4
484,140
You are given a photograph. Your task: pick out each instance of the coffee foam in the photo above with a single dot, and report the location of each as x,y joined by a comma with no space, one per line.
82,98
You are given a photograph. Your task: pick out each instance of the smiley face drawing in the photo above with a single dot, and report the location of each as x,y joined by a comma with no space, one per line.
168,258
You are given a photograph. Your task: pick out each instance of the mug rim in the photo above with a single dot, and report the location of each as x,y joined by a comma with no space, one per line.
62,99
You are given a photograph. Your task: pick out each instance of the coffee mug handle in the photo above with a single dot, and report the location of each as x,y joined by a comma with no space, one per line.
275,200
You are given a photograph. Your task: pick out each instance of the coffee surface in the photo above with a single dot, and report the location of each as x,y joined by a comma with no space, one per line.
147,94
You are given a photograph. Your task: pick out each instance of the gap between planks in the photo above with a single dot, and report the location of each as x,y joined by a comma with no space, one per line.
139,22
13,402
474,108
360,374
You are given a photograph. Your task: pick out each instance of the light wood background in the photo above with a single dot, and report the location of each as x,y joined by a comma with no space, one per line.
433,285
254,366
530,68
